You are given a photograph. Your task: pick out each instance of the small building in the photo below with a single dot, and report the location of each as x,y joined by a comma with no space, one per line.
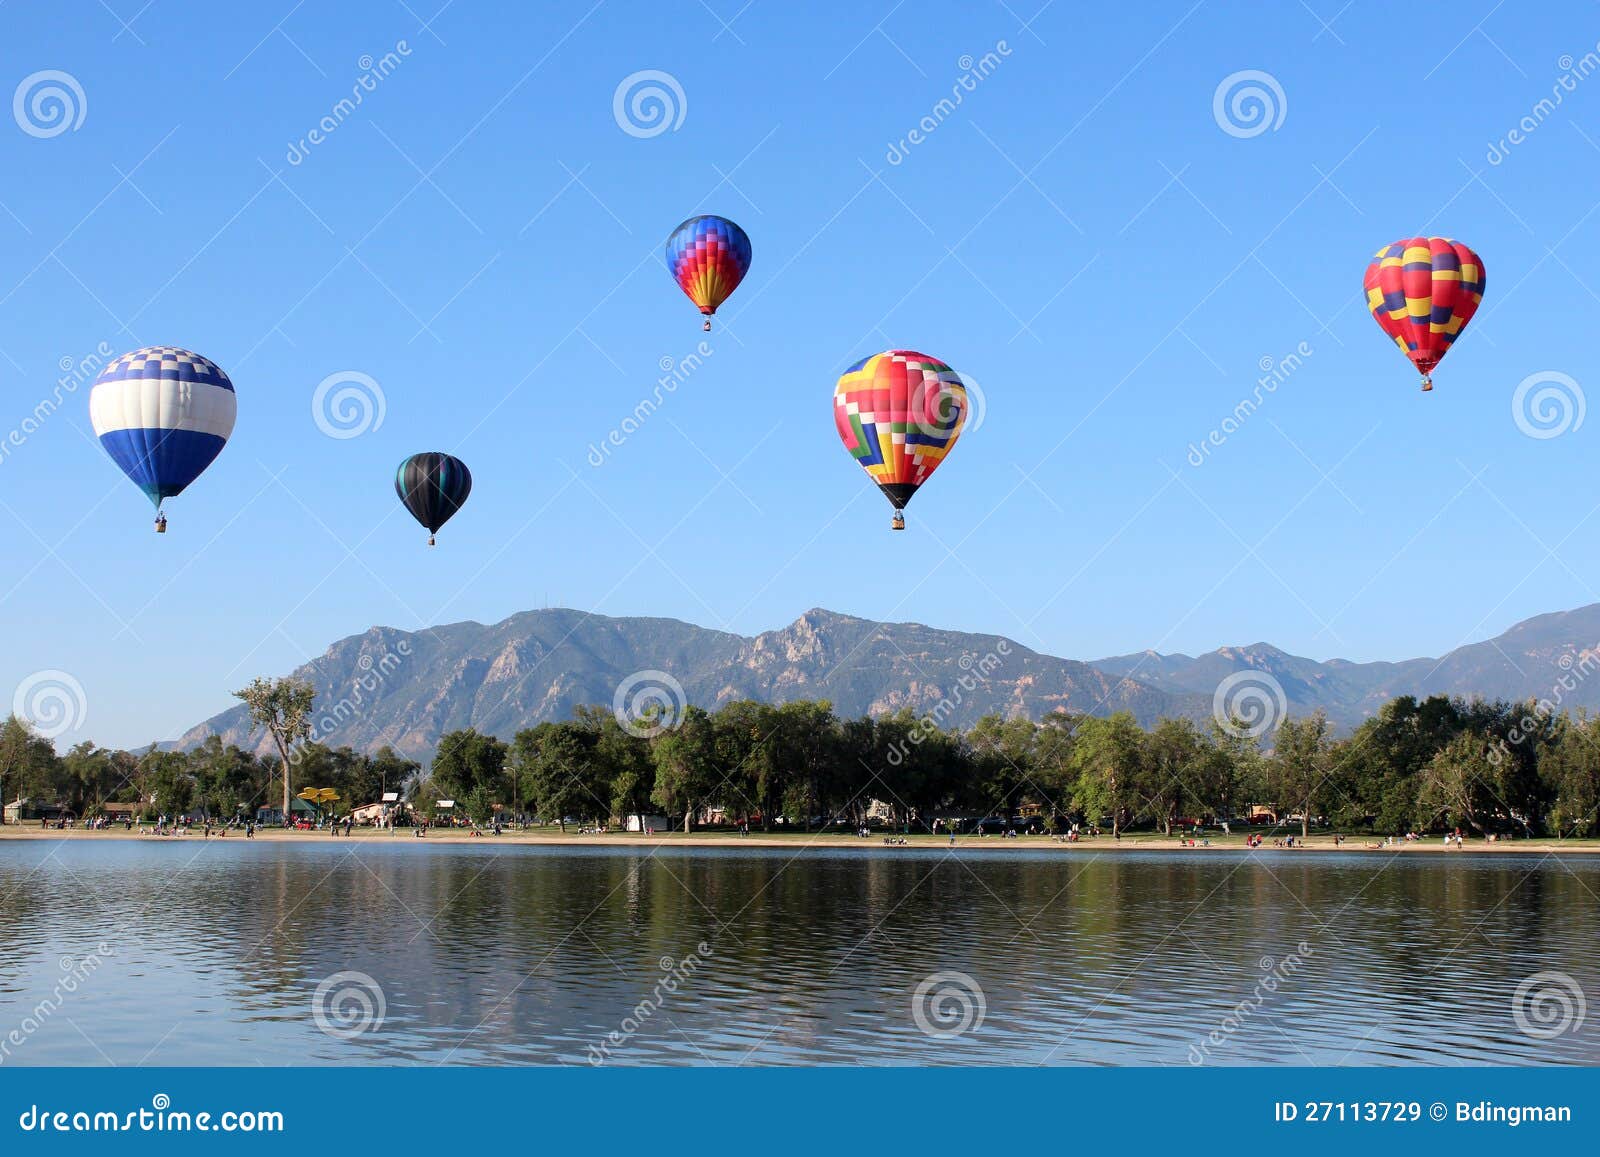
272,817
24,810
641,823
377,814
121,811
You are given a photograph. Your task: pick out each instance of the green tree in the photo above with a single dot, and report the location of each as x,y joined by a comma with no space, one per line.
1301,763
467,761
29,768
686,766
1175,757
283,708
555,761
1570,767
1456,786
1109,757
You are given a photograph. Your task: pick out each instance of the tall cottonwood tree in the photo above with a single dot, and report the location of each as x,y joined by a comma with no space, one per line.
283,708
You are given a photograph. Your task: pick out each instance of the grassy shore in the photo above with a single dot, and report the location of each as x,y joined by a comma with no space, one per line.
1141,841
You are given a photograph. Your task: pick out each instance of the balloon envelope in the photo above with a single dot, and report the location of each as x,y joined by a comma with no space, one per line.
433,487
1422,292
898,413
708,256
163,414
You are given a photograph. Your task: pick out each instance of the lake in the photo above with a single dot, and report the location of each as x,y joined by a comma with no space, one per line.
341,952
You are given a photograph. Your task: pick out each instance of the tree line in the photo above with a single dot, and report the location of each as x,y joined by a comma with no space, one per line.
214,779
1422,765
1418,765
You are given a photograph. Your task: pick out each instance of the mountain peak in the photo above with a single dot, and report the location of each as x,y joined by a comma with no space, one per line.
407,688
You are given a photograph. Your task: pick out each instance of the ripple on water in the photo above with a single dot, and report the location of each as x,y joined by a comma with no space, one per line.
216,954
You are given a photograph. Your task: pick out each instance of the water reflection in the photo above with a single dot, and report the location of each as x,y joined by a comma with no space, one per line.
516,955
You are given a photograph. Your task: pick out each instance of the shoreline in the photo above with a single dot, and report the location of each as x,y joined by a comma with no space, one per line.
1140,843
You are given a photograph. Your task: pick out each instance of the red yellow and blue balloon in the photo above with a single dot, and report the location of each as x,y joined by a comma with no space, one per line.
899,413
708,256
1422,292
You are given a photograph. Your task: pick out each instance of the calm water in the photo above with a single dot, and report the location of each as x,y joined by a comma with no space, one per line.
520,955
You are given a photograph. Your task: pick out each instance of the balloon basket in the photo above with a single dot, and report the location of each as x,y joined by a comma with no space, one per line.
1427,385
899,522
707,325
161,524
430,540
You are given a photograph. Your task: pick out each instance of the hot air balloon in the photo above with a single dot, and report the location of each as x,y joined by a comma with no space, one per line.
1422,291
708,256
898,414
163,414
433,487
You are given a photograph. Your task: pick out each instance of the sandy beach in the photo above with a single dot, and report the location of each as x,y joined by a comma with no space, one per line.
1140,842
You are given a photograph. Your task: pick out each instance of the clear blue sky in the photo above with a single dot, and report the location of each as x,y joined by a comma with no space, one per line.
1079,237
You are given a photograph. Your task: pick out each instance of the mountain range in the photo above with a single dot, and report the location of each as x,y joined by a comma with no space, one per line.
406,688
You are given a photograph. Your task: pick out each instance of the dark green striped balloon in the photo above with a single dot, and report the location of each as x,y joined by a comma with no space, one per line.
433,487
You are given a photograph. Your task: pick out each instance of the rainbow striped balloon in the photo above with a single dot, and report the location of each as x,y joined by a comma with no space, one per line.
1422,292
898,414
708,256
